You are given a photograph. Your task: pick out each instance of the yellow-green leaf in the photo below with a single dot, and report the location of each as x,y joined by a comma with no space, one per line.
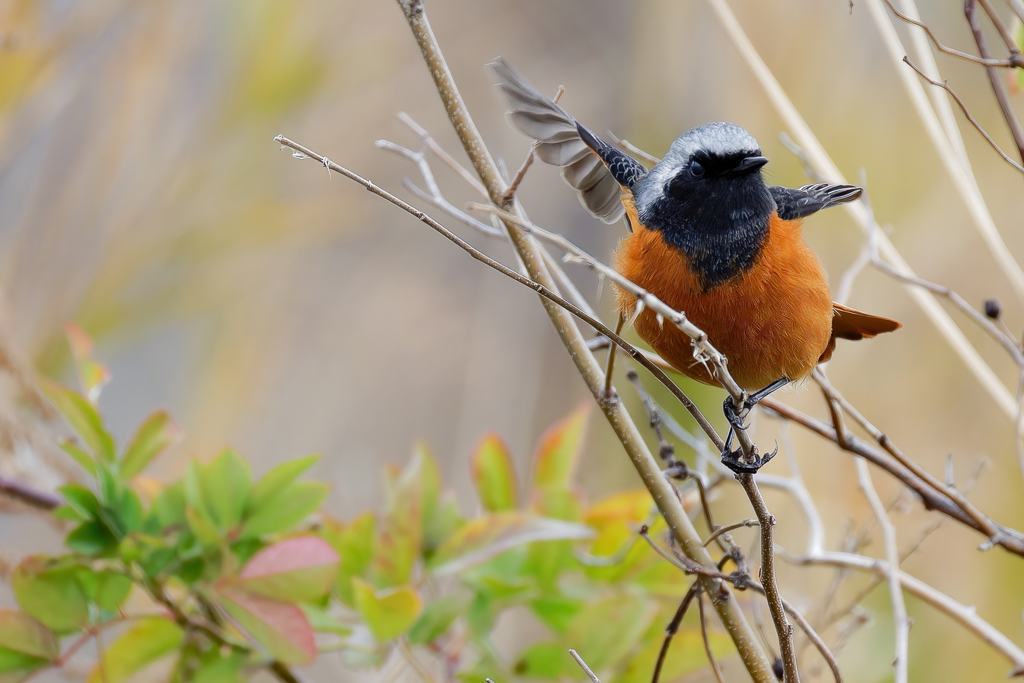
52,595
274,481
494,475
291,505
92,375
559,451
155,434
22,634
82,417
388,613
354,544
146,641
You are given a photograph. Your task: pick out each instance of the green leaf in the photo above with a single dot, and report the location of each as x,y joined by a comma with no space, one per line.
91,538
544,661
484,538
557,611
290,506
111,590
82,417
22,634
601,646
438,518
388,613
51,594
437,618
494,475
168,507
281,628
71,447
218,669
274,481
146,641
14,666
81,499
300,569
204,531
155,434
225,483
67,513
559,451
354,544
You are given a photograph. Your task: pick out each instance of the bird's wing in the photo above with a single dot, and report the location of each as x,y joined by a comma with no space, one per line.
810,199
849,323
595,169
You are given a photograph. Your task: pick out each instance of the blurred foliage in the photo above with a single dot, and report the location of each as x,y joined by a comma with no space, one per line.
232,574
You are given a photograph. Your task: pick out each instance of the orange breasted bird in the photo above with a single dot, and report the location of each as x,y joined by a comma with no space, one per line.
710,238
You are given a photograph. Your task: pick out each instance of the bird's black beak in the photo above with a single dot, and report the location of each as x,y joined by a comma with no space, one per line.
747,165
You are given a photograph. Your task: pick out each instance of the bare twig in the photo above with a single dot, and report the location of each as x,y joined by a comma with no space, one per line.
730,527
42,500
998,87
1011,62
771,589
963,107
583,665
966,616
899,609
707,643
673,628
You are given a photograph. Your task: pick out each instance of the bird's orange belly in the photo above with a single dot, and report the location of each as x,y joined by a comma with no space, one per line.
772,322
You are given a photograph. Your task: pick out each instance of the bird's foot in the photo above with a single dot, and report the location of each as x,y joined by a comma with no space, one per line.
736,417
735,461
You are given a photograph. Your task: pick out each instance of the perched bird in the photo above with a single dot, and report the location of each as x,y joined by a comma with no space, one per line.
710,238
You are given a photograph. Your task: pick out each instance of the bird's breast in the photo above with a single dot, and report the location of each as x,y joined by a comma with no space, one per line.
773,320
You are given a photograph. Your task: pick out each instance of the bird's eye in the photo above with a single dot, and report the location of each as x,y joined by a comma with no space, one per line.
696,169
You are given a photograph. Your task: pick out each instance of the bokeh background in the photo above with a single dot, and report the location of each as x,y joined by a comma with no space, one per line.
281,311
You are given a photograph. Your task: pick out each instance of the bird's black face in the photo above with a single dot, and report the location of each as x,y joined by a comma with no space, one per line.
708,199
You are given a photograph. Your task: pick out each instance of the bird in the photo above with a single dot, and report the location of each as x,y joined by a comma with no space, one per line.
710,238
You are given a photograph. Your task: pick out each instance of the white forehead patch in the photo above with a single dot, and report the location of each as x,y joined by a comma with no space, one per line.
720,139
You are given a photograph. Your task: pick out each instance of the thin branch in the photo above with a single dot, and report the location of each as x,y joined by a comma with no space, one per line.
1004,32
964,615
730,527
583,665
998,87
1012,62
771,588
892,553
673,628
1009,539
707,643
963,107
42,500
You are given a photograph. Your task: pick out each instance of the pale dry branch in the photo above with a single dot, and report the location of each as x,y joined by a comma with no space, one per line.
892,553
583,665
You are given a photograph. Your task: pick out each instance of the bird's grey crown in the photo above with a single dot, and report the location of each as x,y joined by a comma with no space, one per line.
720,139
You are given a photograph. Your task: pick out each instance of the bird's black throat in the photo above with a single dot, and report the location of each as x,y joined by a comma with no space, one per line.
720,224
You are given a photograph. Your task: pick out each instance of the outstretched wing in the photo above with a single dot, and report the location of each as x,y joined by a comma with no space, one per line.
849,323
595,169
811,198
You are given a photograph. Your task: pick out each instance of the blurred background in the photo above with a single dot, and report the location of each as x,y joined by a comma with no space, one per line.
281,311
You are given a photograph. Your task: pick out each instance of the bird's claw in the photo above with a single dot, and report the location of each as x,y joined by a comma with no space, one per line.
735,462
735,417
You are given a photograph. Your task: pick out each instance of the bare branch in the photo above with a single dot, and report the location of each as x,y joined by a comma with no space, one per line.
998,88
707,643
583,665
42,500
963,107
1013,61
